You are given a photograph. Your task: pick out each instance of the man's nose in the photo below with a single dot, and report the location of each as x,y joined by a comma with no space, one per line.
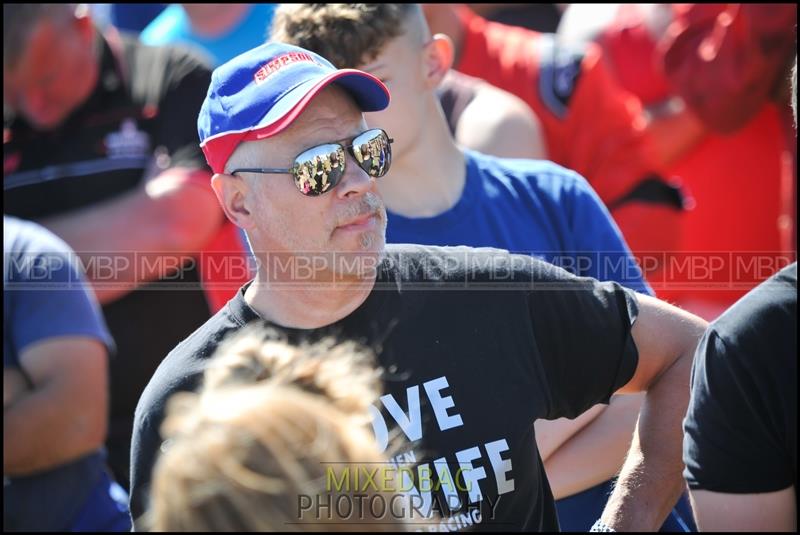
355,181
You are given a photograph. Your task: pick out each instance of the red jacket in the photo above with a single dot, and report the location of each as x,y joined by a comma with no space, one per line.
590,124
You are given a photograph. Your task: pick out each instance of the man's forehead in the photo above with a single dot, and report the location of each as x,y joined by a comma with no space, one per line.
41,63
333,112
41,48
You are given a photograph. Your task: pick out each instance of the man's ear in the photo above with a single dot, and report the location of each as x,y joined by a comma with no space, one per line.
231,191
438,59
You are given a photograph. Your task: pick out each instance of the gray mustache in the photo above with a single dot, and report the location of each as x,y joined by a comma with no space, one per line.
369,203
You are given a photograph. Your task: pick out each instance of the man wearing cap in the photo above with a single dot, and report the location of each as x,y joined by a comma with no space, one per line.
476,343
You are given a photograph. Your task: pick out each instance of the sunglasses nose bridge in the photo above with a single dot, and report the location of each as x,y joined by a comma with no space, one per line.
353,163
354,177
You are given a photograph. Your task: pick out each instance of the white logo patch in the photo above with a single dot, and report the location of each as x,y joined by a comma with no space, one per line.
128,142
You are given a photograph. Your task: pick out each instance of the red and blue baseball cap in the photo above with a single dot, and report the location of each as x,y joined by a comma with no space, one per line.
258,94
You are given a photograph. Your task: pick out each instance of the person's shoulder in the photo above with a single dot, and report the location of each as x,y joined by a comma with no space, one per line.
458,82
520,167
543,176
183,367
199,346
462,265
26,237
411,263
768,309
167,61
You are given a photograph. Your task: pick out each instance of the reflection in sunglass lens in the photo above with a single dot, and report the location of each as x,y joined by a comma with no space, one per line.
372,152
319,168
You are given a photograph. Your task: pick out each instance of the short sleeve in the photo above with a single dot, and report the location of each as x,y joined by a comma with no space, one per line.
599,242
730,444
583,336
47,295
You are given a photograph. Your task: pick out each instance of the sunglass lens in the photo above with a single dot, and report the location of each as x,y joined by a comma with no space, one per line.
372,152
319,169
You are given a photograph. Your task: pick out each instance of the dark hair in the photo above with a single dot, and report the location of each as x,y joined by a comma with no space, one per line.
20,19
347,35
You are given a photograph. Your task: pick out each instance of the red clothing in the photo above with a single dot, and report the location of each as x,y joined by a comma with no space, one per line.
629,45
735,182
725,61
590,124
225,263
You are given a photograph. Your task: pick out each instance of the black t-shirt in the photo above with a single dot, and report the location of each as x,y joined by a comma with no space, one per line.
477,344
741,427
140,119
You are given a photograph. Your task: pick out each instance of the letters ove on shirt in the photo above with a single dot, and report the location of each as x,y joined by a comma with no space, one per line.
410,423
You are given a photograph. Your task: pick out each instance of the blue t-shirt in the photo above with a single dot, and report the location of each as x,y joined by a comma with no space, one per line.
172,27
529,206
45,296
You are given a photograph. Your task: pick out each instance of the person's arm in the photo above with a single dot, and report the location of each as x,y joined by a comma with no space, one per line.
727,60
673,131
595,339
172,213
590,123
64,415
501,124
553,434
174,210
596,452
58,347
768,511
651,478
740,429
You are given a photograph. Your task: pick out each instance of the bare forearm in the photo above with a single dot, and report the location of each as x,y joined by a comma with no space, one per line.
109,226
674,134
143,235
651,478
44,429
596,453
106,238
552,434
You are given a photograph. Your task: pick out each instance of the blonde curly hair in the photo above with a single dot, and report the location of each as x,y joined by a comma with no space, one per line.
268,421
